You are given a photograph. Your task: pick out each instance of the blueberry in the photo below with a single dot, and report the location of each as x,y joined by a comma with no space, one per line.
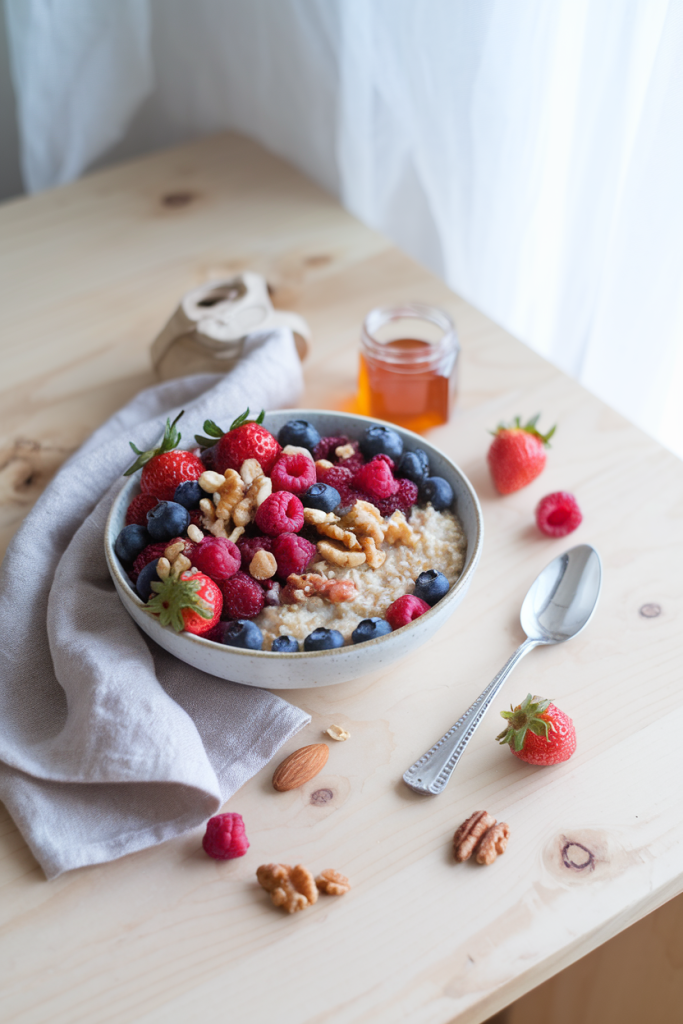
238,633
413,466
285,645
148,576
434,489
130,542
188,494
321,496
207,456
431,586
381,441
299,433
370,629
323,640
166,520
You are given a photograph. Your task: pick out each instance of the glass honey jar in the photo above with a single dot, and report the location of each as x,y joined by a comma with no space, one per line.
408,365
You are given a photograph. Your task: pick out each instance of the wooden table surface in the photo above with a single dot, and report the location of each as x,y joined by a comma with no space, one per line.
89,273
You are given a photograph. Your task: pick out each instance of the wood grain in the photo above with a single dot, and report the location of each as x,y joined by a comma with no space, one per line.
90,272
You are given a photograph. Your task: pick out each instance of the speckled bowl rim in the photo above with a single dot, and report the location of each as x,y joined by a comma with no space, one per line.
461,584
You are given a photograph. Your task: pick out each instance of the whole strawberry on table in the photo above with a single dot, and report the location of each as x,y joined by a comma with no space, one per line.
196,578
538,732
517,454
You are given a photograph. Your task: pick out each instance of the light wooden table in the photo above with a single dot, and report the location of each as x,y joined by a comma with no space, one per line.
89,273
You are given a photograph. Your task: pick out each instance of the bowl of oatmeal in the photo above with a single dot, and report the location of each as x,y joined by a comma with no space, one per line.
364,562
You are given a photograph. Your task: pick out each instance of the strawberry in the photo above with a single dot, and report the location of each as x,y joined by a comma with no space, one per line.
538,732
517,454
190,602
246,439
165,467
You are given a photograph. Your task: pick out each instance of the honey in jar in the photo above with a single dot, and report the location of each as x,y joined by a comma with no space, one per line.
408,366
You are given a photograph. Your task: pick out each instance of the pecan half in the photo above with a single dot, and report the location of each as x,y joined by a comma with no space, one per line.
469,834
493,843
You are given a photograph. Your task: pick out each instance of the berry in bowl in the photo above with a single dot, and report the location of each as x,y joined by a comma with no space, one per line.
300,549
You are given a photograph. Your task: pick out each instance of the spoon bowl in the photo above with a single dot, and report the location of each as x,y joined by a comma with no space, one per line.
561,600
558,605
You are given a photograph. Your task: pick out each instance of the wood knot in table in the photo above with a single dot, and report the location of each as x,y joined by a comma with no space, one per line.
577,857
175,200
321,797
650,611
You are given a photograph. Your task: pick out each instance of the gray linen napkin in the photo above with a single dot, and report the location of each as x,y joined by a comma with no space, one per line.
107,743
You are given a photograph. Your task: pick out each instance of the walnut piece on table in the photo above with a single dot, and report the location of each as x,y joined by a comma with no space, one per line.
292,888
332,882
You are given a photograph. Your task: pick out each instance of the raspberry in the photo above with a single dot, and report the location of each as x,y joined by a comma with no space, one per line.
558,514
384,458
294,473
404,499
404,610
326,446
216,557
242,597
281,512
138,509
353,463
196,518
225,837
248,546
335,476
376,479
146,556
292,553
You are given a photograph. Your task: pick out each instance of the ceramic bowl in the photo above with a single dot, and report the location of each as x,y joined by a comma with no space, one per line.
316,668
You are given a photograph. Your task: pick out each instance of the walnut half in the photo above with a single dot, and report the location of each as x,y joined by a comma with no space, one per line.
292,888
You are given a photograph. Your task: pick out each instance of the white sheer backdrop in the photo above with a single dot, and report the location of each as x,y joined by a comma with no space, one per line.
530,152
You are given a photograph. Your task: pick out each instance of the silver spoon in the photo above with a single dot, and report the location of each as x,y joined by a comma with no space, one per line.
558,605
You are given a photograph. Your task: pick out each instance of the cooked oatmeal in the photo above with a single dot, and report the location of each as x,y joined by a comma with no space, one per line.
442,545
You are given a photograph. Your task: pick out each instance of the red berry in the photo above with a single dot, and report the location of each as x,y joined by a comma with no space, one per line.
162,474
136,512
225,837
403,500
295,473
248,441
404,610
538,732
335,476
325,448
242,597
558,514
146,556
292,553
281,512
190,602
218,557
376,479
353,463
248,546
381,457
517,455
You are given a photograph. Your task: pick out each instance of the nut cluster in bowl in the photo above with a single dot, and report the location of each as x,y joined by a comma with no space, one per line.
290,542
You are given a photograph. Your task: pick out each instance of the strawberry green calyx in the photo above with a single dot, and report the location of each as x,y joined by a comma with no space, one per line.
169,441
215,433
528,716
529,428
173,595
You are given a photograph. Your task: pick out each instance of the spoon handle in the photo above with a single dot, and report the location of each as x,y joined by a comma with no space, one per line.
431,772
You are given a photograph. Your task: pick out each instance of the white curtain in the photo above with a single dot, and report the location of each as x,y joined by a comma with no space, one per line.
529,151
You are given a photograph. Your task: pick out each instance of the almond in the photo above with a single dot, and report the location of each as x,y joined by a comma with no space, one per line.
300,766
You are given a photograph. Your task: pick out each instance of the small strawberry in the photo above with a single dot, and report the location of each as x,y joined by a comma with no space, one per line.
165,467
246,439
517,454
190,602
539,733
